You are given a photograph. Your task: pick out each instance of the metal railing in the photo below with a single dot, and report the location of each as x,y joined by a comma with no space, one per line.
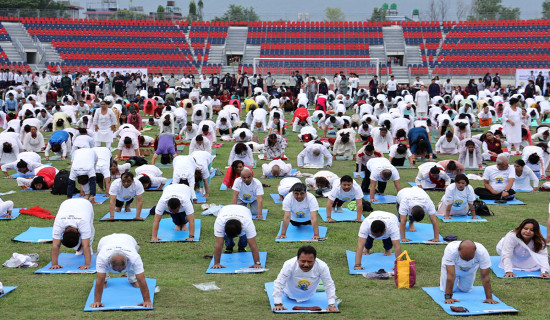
40,48
20,49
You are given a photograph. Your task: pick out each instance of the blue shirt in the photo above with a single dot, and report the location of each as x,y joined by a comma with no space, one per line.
11,105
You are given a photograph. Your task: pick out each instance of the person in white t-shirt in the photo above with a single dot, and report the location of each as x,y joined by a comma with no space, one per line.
150,176
524,249
83,167
276,168
523,177
248,190
498,181
315,155
343,190
422,99
203,160
74,228
299,278
391,87
432,176
458,199
176,200
184,170
118,252
122,193
459,265
413,203
378,225
235,221
381,171
300,209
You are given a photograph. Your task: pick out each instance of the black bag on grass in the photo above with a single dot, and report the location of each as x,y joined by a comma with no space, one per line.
482,209
61,182
136,161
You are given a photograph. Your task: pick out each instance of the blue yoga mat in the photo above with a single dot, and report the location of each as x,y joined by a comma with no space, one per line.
36,235
168,182
276,198
200,197
164,166
70,263
301,233
461,219
292,173
238,262
7,290
319,299
347,215
424,232
382,199
167,233
508,203
473,301
127,216
100,198
519,274
372,262
264,215
223,187
19,175
121,295
14,214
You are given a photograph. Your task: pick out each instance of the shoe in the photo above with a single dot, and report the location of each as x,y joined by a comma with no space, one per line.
339,210
242,250
228,250
205,206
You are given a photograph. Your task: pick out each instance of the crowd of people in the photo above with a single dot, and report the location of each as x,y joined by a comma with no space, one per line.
380,128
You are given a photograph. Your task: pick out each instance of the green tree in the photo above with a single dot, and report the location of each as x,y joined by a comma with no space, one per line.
509,13
200,6
546,9
334,14
33,4
238,13
192,16
161,15
378,14
129,15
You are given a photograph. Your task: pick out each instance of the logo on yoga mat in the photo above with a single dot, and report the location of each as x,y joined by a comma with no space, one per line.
300,214
304,285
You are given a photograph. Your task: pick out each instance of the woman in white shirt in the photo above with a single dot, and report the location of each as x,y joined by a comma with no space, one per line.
458,199
523,177
448,144
105,123
241,152
524,249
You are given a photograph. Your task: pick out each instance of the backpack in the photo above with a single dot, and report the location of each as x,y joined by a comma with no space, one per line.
482,209
136,161
61,183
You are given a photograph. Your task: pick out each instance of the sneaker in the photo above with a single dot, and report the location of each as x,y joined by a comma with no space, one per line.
228,250
339,210
205,206
241,250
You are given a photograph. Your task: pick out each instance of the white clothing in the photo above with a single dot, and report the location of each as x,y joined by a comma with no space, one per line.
459,200
76,213
119,243
498,179
414,196
377,165
516,255
235,212
465,271
306,157
179,191
300,211
285,168
355,193
126,194
248,193
423,176
390,221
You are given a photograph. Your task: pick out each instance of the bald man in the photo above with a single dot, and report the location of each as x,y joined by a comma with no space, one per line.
459,266
498,181
248,190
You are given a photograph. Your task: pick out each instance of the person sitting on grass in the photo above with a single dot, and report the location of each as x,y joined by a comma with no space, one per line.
524,249
235,221
346,189
498,181
74,228
458,199
378,225
413,203
248,190
459,265
300,277
177,201
118,252
122,193
470,156
300,209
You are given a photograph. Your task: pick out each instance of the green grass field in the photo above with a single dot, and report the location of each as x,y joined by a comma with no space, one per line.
176,266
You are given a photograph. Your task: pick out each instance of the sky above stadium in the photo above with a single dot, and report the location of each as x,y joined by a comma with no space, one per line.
353,9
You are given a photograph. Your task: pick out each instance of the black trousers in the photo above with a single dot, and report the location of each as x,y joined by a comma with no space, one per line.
485,194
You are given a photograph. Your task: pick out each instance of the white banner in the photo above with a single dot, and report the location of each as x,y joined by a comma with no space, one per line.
122,71
523,75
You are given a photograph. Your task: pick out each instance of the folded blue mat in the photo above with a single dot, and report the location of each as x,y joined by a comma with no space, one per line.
292,173
347,215
372,262
36,235
168,182
382,199
121,295
14,214
127,216
319,299
301,233
7,290
473,301
424,232
264,215
223,187
461,219
276,198
167,233
70,263
200,197
100,198
508,203
238,262
495,260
